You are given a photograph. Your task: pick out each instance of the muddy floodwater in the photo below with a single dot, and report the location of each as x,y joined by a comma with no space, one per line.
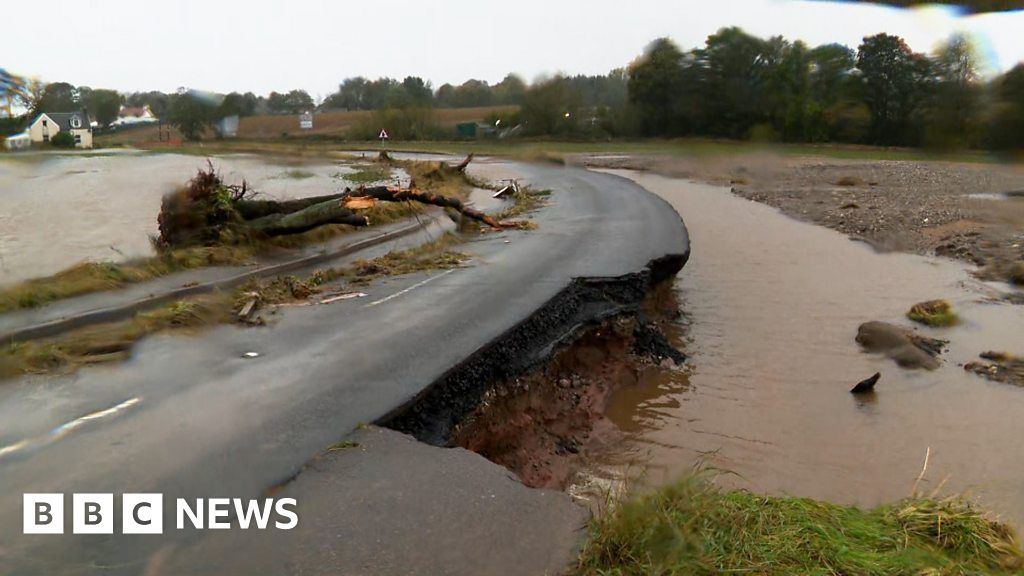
59,210
770,310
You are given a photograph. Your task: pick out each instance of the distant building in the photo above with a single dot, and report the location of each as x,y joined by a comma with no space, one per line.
134,115
227,127
18,141
48,124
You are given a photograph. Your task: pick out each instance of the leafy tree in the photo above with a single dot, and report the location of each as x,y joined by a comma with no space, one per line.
103,105
954,113
445,95
830,73
893,77
552,107
734,66
235,104
293,102
656,82
191,114
57,97
418,91
158,102
471,94
509,91
1006,130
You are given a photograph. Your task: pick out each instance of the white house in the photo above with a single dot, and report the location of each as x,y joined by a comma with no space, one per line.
18,141
134,115
48,124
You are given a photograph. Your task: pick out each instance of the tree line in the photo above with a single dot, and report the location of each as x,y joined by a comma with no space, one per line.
882,93
735,85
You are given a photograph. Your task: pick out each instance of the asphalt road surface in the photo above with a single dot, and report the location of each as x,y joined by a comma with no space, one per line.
234,412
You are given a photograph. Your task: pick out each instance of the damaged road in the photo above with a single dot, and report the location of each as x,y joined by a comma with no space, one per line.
234,412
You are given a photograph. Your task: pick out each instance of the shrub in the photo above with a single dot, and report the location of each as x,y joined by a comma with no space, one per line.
62,140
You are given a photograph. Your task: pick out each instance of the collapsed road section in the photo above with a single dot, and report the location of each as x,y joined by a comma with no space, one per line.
232,412
583,304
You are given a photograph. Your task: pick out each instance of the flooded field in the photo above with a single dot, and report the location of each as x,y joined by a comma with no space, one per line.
771,307
59,210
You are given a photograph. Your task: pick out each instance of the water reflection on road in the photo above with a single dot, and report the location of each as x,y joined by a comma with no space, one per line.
771,307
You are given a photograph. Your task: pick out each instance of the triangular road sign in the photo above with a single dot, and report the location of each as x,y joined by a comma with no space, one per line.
383,134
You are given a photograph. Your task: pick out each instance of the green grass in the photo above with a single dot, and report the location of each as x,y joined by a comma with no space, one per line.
525,201
435,255
368,173
693,527
112,341
295,175
98,276
558,151
342,445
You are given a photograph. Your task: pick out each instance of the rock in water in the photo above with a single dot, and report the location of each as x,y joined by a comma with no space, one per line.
933,313
868,385
908,349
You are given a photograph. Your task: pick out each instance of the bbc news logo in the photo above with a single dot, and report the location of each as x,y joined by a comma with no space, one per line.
144,514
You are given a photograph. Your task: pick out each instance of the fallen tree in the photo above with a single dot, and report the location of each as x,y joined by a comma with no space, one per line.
208,211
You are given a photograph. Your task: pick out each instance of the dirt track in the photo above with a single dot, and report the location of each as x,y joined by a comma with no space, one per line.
928,207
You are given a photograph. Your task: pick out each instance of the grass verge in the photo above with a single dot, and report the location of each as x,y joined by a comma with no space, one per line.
110,342
113,341
693,527
558,151
98,276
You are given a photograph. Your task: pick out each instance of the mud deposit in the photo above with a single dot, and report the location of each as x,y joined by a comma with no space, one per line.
771,309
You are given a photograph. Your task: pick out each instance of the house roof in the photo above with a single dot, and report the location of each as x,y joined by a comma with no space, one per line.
133,111
63,119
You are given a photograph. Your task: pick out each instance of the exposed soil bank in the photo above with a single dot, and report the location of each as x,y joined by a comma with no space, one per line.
964,211
588,327
544,425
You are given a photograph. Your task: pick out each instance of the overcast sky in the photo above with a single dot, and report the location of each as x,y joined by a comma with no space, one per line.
263,45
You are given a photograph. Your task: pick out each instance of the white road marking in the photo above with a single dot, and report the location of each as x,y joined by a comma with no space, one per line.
12,448
410,288
64,429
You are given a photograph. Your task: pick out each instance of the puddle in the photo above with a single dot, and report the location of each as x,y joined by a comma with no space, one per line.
771,307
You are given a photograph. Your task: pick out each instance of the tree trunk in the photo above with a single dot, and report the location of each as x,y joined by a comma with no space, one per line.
327,212
403,194
253,209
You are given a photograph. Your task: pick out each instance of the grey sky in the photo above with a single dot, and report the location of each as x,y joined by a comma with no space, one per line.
263,45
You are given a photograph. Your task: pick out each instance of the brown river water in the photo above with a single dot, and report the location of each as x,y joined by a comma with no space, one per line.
770,310
59,210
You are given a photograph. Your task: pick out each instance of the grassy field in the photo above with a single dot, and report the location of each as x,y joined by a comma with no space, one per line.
559,151
325,125
693,527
